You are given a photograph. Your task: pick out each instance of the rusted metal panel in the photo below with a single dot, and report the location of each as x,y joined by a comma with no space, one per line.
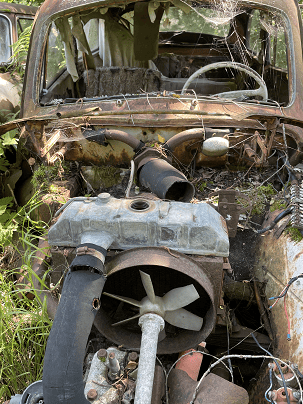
51,9
17,9
278,261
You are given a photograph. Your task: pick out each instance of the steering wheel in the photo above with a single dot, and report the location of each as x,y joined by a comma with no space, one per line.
261,91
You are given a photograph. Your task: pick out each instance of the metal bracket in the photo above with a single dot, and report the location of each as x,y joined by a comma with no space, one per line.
230,209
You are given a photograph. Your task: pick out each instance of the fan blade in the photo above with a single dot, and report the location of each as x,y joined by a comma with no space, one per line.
162,335
148,286
184,319
180,297
124,299
126,320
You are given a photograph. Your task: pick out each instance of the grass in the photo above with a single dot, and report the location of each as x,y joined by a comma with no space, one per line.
24,330
294,234
24,325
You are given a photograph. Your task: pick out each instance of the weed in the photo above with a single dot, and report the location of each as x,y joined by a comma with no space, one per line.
278,204
44,175
259,197
294,234
24,325
24,330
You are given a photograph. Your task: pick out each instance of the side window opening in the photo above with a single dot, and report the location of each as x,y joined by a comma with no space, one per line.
140,49
5,40
23,24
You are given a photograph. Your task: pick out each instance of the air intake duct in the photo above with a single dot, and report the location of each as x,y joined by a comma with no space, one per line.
165,181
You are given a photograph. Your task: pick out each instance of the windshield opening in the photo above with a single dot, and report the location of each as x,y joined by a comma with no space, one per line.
219,51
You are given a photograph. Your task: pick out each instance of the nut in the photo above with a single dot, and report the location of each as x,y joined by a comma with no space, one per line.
102,354
133,356
92,394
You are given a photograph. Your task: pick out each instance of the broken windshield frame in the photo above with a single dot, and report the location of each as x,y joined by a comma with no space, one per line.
254,37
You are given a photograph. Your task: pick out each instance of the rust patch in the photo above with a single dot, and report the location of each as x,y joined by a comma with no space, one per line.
298,255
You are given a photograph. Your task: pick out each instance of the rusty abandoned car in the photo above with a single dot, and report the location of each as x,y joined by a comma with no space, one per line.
150,88
14,19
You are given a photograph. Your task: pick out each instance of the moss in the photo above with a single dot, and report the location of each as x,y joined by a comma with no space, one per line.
294,234
201,186
259,197
44,175
278,205
102,177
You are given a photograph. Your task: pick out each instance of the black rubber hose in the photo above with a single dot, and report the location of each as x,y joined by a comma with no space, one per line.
181,137
65,350
101,135
130,140
276,220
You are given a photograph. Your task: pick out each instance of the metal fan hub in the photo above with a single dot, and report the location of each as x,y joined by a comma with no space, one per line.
148,307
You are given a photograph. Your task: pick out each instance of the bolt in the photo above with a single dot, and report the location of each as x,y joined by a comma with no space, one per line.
92,394
224,206
112,355
102,354
113,366
270,394
119,102
296,394
133,356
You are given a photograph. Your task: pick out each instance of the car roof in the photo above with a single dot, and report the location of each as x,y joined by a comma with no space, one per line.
17,9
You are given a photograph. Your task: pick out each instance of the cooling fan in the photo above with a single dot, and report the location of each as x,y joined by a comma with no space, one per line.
169,307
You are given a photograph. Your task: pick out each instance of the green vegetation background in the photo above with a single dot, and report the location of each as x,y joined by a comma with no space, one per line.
27,2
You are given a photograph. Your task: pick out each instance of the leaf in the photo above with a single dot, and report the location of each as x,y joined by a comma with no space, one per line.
6,201
2,210
8,139
161,139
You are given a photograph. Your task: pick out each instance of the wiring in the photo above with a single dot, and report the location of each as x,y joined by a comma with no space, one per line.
223,358
288,321
131,178
278,366
229,361
285,290
174,364
270,386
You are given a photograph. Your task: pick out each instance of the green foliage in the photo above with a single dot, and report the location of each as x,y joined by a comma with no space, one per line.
44,175
201,186
259,197
8,139
24,325
294,234
20,51
26,2
24,329
278,205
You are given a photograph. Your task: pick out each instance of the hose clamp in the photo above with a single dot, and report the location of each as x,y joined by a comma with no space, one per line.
84,250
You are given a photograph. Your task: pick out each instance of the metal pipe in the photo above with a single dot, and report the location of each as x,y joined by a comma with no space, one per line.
185,135
151,325
130,140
